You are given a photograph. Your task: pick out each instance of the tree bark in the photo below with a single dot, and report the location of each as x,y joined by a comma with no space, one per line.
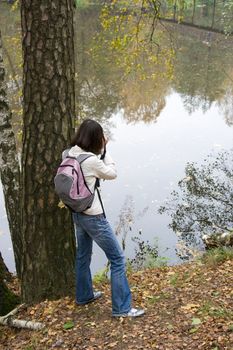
48,111
9,169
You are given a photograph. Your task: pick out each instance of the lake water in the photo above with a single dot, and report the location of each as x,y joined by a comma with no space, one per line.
156,127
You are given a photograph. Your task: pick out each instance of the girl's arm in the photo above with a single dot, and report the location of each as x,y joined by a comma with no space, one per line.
104,169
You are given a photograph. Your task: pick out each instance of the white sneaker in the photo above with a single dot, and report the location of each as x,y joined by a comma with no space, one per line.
132,313
96,295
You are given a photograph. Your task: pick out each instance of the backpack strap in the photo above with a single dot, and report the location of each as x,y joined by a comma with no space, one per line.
81,159
97,184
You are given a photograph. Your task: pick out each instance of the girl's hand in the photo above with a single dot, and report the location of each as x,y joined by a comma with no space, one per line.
105,141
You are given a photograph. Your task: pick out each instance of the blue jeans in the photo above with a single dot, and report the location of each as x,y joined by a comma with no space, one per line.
96,228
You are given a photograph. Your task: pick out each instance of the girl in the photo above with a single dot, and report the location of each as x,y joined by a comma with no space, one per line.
91,225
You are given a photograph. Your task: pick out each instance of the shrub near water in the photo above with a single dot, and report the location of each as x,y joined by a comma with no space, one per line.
146,255
217,255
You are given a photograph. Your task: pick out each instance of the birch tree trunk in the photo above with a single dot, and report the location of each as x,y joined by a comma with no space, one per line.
48,109
9,169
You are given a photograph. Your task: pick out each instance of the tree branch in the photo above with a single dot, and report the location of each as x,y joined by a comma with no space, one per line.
8,320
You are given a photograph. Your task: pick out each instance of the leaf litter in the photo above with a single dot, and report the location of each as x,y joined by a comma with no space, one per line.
189,306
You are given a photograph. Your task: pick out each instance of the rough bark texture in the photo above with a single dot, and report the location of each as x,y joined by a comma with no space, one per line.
9,169
48,93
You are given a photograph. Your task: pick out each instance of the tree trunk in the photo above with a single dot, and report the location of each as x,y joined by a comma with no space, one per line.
8,300
48,93
9,169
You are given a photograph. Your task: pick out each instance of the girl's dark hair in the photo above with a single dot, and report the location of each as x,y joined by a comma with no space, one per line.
89,136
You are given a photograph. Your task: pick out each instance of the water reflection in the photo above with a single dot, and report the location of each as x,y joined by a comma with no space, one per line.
203,203
201,70
226,104
158,122
202,74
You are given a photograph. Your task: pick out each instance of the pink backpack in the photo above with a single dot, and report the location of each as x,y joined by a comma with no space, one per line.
70,184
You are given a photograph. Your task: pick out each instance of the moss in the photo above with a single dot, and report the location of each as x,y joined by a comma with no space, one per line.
8,300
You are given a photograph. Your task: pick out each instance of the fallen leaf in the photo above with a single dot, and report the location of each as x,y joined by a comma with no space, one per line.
196,321
68,325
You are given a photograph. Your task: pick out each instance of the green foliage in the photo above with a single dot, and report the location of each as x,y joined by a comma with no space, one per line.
68,325
217,256
160,262
226,19
131,32
213,310
82,3
196,321
157,298
216,15
101,276
174,279
146,255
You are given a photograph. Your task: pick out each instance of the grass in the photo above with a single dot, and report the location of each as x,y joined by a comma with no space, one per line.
101,276
210,309
156,298
217,256
179,279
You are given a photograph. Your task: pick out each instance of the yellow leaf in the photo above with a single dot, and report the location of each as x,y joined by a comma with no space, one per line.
190,307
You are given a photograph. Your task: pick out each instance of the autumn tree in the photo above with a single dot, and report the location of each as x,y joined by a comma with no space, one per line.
48,110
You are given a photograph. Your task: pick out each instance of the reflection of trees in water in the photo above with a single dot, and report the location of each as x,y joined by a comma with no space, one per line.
9,167
96,91
95,100
198,77
145,252
192,103
126,220
12,53
144,100
227,106
204,203
102,86
199,74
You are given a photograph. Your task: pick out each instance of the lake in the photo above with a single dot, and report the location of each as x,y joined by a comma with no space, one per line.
156,124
